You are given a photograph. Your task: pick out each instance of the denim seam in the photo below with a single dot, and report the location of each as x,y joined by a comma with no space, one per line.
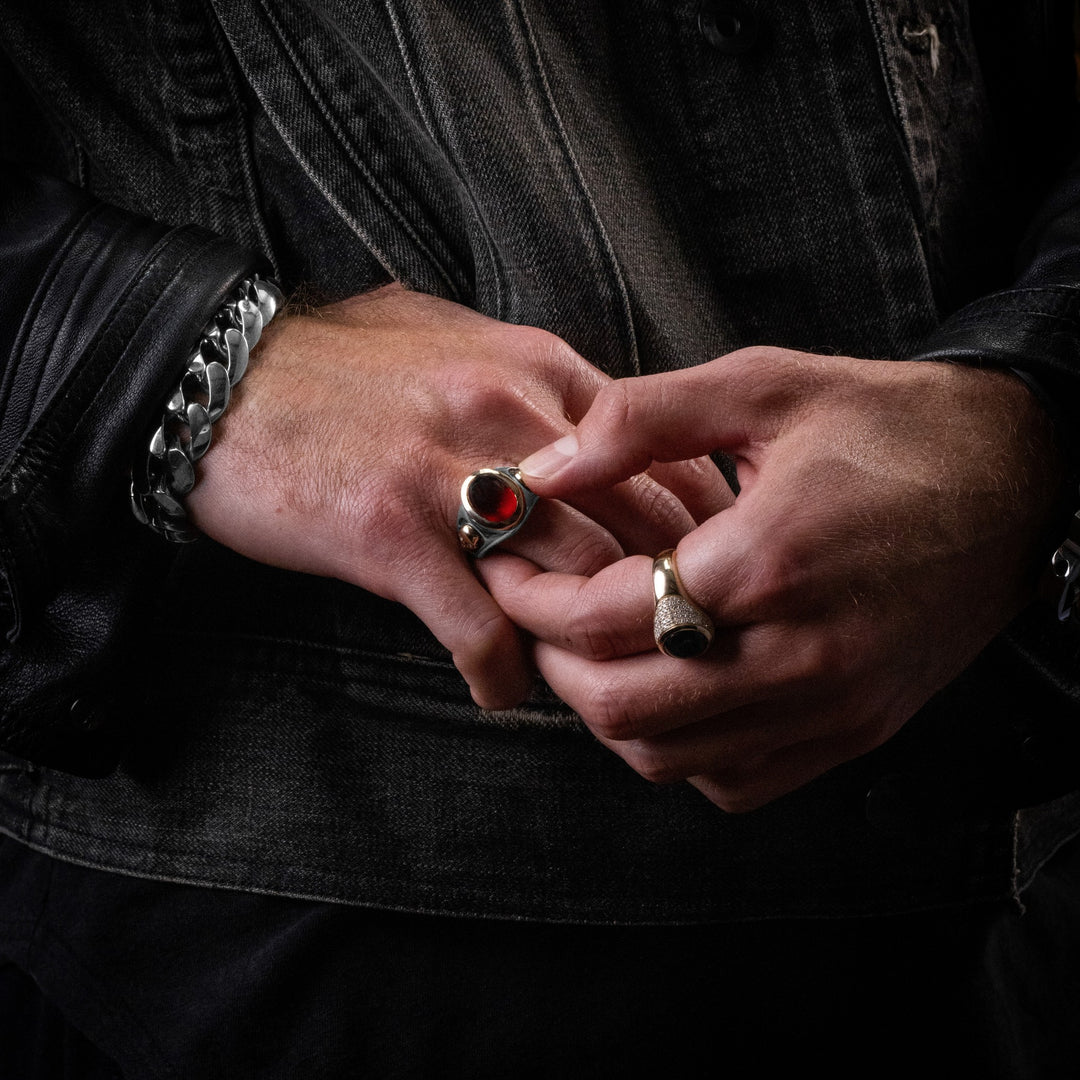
889,75
605,245
338,133
335,898
535,716
983,890
244,136
426,111
866,211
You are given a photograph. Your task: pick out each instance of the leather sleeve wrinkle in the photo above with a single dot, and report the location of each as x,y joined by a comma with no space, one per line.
94,330
81,291
62,318
20,267
124,317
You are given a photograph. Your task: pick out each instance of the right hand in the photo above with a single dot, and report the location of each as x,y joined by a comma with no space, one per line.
889,517
345,447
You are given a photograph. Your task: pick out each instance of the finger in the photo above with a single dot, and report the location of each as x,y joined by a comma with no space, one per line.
558,537
600,617
642,514
610,614
746,788
790,666
634,697
486,647
639,516
698,484
670,417
734,741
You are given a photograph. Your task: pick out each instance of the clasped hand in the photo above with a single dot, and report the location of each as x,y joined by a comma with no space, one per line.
886,529
886,521
344,451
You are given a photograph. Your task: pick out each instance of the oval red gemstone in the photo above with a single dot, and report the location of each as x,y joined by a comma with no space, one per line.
493,498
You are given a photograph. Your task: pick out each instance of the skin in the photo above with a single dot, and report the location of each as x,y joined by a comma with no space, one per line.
887,527
344,449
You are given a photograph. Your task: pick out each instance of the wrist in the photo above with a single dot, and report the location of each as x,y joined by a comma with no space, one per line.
163,473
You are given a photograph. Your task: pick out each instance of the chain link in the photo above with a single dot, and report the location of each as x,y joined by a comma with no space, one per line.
1061,584
161,479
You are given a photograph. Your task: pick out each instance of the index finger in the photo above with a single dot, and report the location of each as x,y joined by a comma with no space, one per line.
727,404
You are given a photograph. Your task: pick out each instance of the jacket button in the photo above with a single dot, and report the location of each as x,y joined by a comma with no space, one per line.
728,26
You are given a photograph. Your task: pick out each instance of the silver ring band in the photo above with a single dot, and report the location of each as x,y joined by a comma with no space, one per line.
495,503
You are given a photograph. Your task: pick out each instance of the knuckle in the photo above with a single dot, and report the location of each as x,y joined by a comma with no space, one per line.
537,340
477,640
657,504
831,654
584,637
590,553
464,386
826,663
772,583
556,351
730,791
652,763
774,378
738,801
605,710
616,405
542,347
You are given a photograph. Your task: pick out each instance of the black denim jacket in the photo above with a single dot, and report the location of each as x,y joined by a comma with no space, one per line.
657,182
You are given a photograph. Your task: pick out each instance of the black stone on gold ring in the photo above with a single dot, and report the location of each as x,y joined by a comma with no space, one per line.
680,628
494,505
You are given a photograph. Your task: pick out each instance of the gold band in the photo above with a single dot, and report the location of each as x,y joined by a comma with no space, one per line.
680,628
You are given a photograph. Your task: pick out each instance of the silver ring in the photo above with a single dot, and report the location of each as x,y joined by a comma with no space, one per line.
680,628
495,503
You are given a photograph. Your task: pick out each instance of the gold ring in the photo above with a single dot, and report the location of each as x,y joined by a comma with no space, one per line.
680,628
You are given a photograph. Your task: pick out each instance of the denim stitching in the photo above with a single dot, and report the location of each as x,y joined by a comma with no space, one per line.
533,52
339,134
425,109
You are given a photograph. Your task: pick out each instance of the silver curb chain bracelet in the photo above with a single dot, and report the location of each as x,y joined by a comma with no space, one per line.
161,478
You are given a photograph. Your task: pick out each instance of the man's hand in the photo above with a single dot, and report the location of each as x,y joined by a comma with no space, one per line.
345,448
884,532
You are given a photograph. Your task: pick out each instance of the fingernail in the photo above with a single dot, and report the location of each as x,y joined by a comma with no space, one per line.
547,462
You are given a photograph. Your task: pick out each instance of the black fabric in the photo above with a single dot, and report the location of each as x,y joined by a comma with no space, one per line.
101,308
36,1040
220,985
600,170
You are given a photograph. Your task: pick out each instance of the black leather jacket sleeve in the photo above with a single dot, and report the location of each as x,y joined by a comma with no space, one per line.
1033,327
98,309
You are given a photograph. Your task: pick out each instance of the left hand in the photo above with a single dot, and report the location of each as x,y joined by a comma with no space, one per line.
336,458
885,531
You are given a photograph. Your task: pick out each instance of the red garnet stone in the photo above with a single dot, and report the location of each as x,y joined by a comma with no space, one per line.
492,497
